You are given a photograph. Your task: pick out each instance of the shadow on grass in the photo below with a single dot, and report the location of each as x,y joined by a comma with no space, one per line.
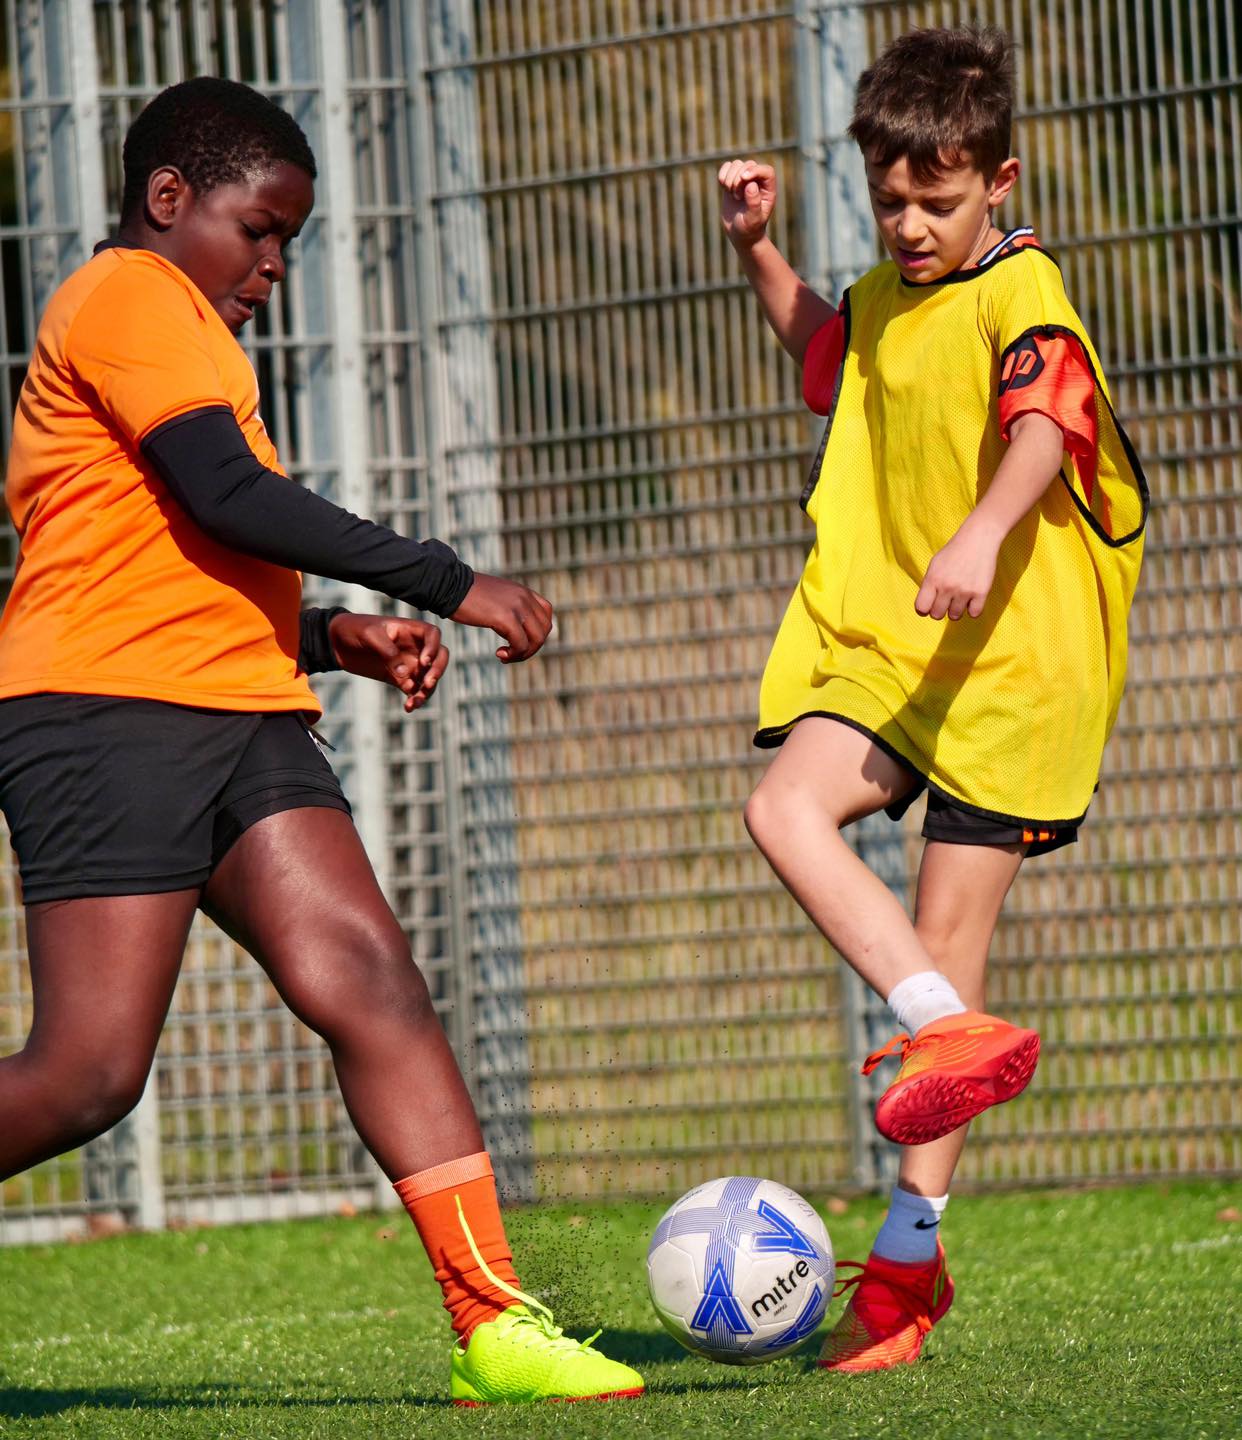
25,1403
642,1348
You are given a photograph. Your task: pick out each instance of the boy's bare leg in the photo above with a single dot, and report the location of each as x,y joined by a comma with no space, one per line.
905,1286
961,890
102,974
824,776
298,892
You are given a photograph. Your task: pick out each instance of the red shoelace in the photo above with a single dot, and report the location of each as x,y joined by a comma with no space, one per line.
915,1303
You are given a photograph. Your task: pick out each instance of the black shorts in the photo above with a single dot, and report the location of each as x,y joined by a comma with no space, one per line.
948,821
114,796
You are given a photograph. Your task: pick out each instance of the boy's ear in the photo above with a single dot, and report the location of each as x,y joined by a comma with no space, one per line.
167,192
1003,181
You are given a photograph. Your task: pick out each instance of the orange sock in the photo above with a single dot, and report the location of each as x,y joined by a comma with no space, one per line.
431,1198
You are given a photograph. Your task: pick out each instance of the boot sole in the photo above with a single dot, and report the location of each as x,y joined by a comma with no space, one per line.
554,1399
933,1105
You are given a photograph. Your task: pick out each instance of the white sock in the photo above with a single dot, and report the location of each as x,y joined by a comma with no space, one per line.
911,1226
923,998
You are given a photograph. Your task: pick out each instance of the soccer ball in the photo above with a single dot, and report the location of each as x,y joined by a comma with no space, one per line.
740,1270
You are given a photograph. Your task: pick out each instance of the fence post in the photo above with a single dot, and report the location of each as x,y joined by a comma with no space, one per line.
489,1015
840,246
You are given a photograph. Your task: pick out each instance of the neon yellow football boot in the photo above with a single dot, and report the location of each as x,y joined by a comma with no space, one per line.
523,1356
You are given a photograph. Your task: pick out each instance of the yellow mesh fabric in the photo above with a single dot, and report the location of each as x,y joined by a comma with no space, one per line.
1008,712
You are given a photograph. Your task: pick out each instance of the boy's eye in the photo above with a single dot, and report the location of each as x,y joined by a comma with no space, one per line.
251,231
942,210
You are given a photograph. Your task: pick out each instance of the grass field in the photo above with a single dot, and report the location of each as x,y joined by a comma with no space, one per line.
1104,1313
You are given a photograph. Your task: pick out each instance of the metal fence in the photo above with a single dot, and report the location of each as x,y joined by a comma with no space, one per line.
514,322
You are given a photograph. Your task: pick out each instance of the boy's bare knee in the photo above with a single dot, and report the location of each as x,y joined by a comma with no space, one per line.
114,1099
769,809
939,935
367,976
955,944
760,815
774,808
94,1093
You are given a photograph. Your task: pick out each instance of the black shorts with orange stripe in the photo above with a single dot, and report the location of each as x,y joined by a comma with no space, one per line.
958,826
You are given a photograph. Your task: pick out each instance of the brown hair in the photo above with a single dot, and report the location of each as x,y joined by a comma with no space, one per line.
938,97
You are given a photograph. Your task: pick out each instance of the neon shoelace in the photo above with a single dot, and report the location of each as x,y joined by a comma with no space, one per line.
538,1315
872,1060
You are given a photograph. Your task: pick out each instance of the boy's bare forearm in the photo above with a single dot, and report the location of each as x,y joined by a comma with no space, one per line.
793,310
960,575
1030,465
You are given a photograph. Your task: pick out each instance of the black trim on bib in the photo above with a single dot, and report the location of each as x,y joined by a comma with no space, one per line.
813,478
774,736
1005,241
959,277
1132,459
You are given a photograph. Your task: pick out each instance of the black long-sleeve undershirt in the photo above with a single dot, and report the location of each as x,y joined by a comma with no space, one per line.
212,473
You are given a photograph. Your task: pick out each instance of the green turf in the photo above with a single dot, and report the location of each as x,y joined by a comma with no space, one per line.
1106,1313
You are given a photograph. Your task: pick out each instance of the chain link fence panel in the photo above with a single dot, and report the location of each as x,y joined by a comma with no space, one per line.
683,1019
514,321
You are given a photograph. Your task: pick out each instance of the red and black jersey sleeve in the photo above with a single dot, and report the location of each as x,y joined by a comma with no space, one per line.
1048,371
822,362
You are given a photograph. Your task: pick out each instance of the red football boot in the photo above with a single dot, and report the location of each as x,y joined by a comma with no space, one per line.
890,1312
953,1070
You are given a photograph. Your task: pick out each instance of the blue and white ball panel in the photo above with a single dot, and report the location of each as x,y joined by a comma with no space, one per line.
740,1269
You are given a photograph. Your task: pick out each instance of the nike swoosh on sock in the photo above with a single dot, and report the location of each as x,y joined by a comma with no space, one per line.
926,1224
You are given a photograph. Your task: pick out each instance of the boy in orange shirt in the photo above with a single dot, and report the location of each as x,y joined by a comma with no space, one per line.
153,674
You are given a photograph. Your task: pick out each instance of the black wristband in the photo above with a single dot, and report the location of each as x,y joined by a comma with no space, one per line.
315,654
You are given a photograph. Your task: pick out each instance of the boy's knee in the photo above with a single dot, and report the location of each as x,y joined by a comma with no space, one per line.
369,976
756,814
113,1100
953,944
941,937
770,810
93,1094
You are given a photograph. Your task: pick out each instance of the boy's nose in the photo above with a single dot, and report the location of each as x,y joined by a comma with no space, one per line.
910,227
272,267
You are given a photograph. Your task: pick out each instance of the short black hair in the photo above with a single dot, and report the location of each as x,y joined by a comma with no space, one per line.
938,97
216,132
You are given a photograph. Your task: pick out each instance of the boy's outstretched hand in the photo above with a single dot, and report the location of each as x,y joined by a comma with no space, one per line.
522,618
404,653
748,201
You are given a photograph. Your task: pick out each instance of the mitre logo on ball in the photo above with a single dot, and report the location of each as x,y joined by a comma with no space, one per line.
740,1270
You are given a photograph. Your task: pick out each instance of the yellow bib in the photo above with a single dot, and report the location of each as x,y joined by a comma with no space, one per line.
1006,714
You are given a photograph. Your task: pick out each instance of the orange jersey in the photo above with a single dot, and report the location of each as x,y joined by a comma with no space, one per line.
117,591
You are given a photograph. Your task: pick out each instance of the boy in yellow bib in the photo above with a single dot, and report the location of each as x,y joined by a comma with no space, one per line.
960,625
